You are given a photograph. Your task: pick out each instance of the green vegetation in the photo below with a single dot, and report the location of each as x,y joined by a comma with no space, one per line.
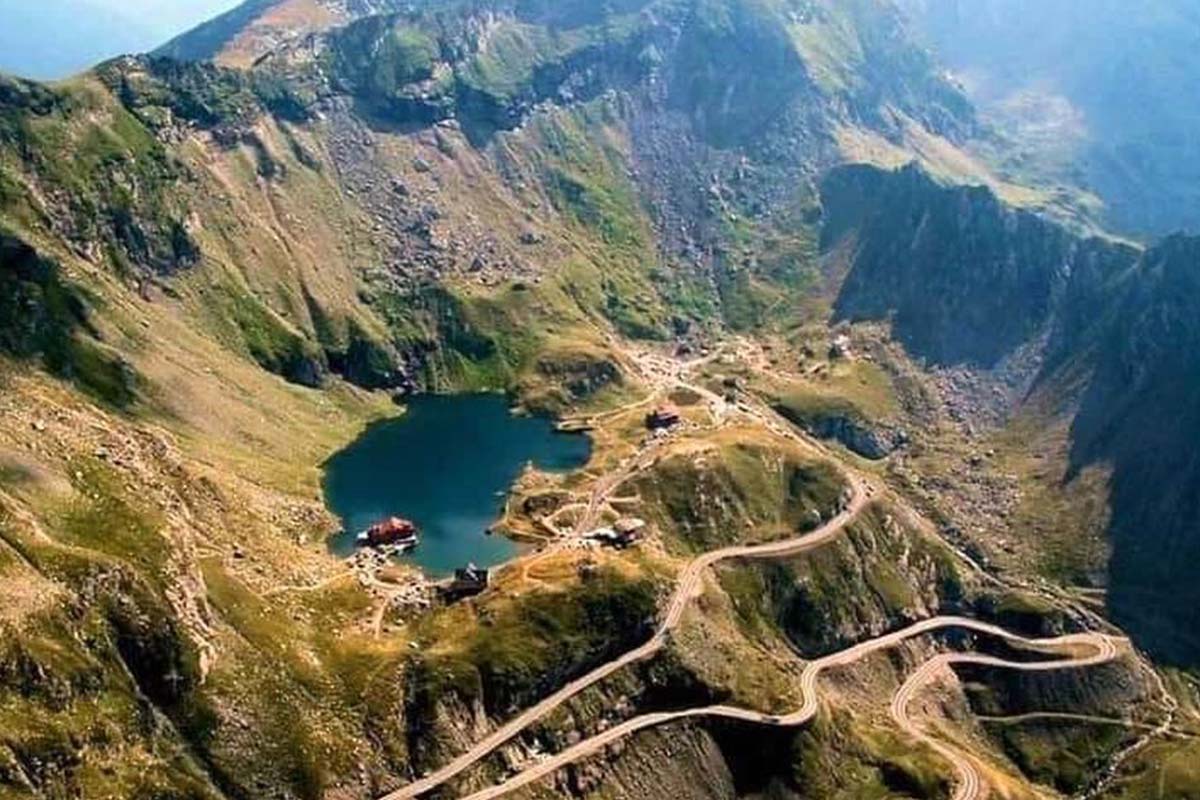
426,67
379,59
267,631
13,474
805,408
1065,754
878,575
861,391
107,177
302,696
70,723
507,66
516,51
572,374
275,346
1163,771
765,265
199,92
740,492
584,171
105,517
77,675
831,51
839,758
42,317
477,342
312,688
1022,611
532,645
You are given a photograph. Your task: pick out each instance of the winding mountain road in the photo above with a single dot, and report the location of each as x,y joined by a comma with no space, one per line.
688,587
690,583
970,785
1103,647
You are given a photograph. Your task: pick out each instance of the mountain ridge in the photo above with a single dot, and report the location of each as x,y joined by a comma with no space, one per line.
962,280
227,274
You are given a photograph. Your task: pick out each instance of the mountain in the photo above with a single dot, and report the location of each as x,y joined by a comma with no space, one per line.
965,279
254,28
221,263
1099,332
1091,91
1136,415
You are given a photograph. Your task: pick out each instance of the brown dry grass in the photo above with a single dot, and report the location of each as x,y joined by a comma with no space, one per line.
285,19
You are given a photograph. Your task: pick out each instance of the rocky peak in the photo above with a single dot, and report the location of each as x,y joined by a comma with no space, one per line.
964,278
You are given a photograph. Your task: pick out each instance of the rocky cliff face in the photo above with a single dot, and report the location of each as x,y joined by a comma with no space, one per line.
1139,414
967,282
725,198
964,279
858,435
611,124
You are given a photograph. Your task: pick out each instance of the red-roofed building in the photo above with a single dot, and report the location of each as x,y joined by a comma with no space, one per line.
391,531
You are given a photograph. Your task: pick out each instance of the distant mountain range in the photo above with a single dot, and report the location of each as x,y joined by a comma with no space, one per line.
1097,91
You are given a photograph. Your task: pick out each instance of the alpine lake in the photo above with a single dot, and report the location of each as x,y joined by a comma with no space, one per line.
447,464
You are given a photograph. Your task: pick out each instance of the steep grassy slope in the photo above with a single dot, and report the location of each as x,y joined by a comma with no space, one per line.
199,266
215,278
194,245
730,199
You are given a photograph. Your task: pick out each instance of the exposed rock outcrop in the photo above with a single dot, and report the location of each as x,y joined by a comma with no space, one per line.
872,441
1139,413
1020,306
964,279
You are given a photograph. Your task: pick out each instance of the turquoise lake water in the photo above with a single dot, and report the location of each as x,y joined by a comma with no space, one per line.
446,465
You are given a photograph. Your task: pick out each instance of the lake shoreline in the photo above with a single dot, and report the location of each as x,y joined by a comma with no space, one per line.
447,462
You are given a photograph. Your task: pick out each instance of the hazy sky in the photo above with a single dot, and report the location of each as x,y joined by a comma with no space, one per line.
166,17
49,39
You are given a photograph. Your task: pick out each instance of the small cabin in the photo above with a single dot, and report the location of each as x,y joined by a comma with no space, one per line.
468,582
842,349
665,416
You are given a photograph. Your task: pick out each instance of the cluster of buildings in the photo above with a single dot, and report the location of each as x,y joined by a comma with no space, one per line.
401,535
